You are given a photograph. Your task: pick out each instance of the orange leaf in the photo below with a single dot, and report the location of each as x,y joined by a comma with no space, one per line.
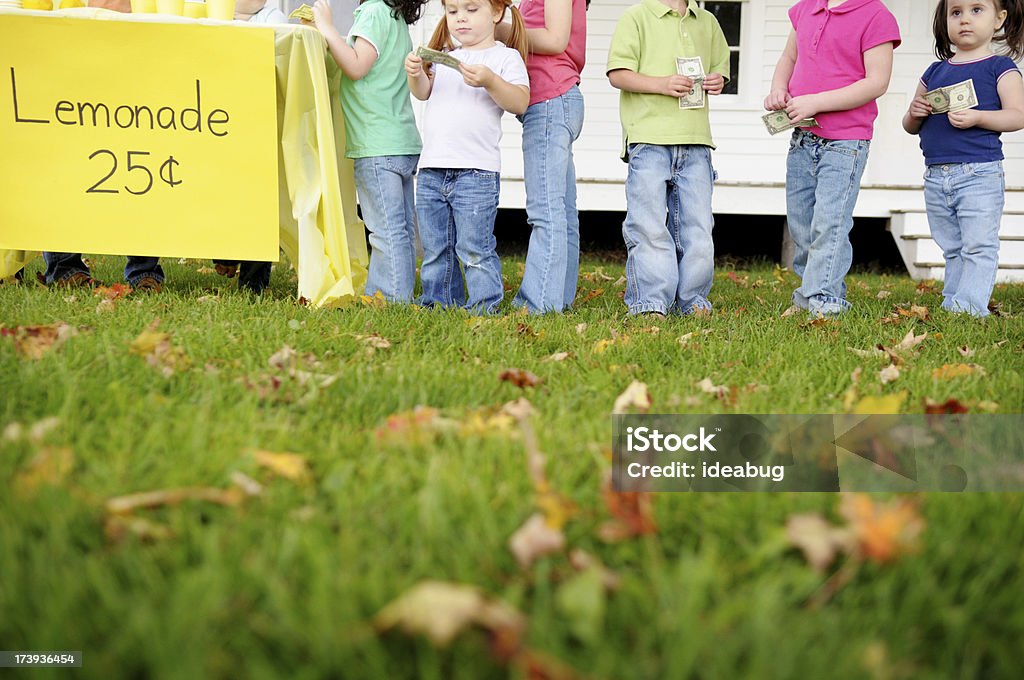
882,531
35,341
519,377
633,514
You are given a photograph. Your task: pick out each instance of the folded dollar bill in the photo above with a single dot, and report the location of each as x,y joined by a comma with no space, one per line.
958,97
778,121
303,11
436,57
693,68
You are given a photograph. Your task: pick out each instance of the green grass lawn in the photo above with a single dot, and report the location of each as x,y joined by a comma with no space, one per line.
287,583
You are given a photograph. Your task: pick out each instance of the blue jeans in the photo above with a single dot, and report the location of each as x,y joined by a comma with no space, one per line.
553,259
456,210
822,185
384,185
60,266
670,262
965,203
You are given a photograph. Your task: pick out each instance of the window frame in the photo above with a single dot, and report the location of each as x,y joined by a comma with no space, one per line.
751,43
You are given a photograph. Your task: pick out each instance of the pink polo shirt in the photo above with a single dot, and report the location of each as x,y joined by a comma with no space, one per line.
830,54
551,75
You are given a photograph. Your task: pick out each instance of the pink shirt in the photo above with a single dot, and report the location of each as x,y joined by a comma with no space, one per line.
551,75
830,54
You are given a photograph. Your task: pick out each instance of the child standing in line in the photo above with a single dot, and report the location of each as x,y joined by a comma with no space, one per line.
457,192
380,133
837,62
964,181
669,263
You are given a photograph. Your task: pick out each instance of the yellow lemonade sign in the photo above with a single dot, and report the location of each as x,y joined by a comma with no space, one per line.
138,138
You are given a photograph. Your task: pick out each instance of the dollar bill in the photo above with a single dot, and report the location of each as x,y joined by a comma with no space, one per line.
303,11
958,97
693,68
436,57
778,121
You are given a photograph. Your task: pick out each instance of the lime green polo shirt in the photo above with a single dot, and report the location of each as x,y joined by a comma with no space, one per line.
378,113
647,40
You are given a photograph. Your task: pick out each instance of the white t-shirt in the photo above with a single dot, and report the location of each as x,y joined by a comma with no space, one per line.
462,124
268,15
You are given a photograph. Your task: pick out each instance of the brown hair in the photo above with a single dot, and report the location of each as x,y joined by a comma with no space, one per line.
442,40
1011,34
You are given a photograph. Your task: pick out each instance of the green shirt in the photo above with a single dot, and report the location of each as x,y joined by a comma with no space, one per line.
378,113
647,40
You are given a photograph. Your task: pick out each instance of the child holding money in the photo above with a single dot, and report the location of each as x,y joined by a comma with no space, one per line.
667,143
457,191
964,181
380,133
836,63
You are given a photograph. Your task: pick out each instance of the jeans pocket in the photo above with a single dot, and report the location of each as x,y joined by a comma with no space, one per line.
993,169
844,146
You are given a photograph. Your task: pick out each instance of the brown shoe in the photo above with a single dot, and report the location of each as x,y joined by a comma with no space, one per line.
76,280
147,284
227,270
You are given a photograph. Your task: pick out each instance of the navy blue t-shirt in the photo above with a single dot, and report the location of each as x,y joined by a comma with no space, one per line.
943,143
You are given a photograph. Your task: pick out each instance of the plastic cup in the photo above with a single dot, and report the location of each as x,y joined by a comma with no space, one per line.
195,10
221,9
144,6
172,7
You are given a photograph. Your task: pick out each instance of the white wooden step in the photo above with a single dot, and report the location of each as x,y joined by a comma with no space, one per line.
923,257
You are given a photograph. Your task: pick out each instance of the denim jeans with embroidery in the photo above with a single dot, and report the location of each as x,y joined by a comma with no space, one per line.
670,262
965,204
822,185
456,209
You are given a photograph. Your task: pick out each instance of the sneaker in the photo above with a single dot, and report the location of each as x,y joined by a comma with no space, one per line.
147,284
76,280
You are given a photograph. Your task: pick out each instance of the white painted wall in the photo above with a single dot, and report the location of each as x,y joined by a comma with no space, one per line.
750,163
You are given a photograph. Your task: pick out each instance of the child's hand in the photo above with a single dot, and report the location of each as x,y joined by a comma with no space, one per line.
414,65
776,100
964,119
322,15
714,83
920,108
676,86
805,106
477,75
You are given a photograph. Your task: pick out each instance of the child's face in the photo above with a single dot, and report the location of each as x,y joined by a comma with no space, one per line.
972,23
471,22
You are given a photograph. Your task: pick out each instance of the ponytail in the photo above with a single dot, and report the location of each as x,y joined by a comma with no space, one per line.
1012,32
517,37
441,39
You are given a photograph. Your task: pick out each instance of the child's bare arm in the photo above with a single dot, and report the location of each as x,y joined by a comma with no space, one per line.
420,81
877,72
779,95
918,112
553,37
631,81
512,98
356,60
1009,118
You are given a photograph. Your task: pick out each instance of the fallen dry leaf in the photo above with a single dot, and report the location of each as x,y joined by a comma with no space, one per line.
292,466
708,387
440,611
535,539
377,300
581,328
817,539
634,399
883,531
155,347
116,528
965,351
949,371
887,404
948,406
889,374
374,341
591,294
50,466
34,342
246,483
38,430
122,505
632,513
910,341
115,291
519,377
914,312
790,311
559,356
882,294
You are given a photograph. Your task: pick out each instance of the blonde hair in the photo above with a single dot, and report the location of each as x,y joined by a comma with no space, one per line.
442,40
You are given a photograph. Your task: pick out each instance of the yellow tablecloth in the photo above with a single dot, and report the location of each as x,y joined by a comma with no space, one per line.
320,230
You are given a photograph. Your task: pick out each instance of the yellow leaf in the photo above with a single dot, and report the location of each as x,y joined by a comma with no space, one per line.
948,371
291,466
884,404
635,399
49,466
